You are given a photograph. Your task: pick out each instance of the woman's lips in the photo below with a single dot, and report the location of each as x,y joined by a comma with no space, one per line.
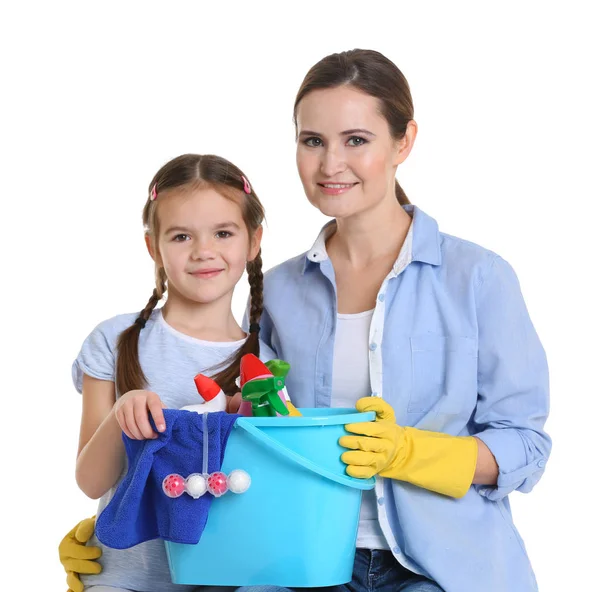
335,188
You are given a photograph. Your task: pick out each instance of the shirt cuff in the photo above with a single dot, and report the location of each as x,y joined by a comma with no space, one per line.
520,466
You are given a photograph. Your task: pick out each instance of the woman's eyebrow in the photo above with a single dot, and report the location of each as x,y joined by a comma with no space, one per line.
344,133
308,133
357,131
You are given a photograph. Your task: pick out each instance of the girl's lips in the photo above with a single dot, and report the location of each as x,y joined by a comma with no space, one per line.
206,273
335,188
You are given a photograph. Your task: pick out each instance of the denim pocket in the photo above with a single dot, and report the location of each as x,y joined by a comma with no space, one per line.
444,373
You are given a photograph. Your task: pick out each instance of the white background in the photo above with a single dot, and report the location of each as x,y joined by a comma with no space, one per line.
96,96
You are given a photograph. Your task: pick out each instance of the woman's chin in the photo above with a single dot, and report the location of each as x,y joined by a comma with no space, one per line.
335,208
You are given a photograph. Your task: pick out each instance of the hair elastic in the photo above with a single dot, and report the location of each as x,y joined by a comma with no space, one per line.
254,328
141,321
247,188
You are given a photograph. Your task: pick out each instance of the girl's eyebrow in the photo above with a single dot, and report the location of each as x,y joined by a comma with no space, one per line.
228,224
344,133
176,229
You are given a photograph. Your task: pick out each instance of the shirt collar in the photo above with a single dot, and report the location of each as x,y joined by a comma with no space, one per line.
422,242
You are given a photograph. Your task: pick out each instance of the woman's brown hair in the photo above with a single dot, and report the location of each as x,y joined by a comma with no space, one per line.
196,172
373,74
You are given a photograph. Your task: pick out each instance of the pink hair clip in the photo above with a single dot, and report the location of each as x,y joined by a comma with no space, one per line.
153,192
247,188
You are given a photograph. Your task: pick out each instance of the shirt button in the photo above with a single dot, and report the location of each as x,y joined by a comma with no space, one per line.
380,501
396,550
542,464
373,346
381,297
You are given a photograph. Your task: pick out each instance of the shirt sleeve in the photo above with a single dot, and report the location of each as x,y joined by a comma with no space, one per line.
97,356
513,391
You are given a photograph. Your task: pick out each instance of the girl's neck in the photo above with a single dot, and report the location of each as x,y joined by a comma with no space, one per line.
370,236
211,321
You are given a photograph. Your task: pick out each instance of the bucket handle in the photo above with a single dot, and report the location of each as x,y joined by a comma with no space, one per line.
277,447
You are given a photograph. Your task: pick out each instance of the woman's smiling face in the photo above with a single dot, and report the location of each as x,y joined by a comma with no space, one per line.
346,156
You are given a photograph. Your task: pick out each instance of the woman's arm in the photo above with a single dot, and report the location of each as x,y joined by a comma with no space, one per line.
101,453
513,400
486,469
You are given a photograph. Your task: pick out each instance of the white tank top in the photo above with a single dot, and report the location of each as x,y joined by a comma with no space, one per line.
350,383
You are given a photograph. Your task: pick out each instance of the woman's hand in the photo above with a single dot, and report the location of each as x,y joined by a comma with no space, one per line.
377,446
76,557
131,411
435,461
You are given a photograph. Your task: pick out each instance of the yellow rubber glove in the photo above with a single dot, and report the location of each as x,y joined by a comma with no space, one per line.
438,462
76,557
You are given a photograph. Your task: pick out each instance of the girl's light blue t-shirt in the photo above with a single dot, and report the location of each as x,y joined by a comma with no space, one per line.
170,360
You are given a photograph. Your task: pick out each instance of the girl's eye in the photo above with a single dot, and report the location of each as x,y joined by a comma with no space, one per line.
313,142
224,234
179,238
356,141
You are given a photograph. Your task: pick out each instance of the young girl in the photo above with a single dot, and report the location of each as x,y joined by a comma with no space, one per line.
202,229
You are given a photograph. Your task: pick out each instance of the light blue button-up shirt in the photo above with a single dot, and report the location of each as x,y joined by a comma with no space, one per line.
452,349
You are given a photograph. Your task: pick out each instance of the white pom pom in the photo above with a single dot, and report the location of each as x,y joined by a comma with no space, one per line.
195,485
238,481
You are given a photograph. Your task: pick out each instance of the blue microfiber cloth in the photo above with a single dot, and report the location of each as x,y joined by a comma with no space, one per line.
140,511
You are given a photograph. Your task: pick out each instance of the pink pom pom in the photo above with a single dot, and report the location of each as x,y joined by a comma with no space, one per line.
217,484
173,485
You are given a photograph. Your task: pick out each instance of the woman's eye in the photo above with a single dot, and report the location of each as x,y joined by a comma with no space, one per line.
313,142
356,141
224,234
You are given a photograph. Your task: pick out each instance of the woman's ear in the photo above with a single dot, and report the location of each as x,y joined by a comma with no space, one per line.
150,246
404,146
255,243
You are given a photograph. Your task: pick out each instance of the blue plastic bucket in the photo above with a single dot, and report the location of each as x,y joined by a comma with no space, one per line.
296,526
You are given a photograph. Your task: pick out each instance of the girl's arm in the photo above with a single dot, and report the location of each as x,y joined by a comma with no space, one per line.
101,453
100,459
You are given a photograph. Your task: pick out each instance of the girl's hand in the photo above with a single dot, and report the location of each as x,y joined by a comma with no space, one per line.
131,411
233,403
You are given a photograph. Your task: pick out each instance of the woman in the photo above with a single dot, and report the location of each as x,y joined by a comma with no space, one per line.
432,328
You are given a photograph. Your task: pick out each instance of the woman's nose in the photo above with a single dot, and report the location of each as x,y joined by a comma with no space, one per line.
332,162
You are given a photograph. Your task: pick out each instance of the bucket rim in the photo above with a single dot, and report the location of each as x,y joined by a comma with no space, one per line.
277,447
342,415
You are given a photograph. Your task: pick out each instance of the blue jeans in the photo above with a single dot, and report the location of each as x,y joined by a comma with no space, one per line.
374,571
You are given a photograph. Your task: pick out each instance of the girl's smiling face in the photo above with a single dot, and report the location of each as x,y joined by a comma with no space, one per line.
203,243
346,156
